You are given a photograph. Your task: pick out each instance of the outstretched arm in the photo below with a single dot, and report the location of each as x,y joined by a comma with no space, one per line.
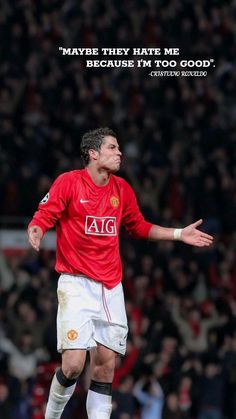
189,234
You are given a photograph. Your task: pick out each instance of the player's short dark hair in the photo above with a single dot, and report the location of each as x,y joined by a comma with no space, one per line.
92,140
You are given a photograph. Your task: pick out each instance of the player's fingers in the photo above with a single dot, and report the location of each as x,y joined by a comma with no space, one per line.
34,243
197,223
36,247
206,242
198,244
206,236
202,244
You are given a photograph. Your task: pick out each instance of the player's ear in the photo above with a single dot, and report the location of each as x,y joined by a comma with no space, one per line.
93,154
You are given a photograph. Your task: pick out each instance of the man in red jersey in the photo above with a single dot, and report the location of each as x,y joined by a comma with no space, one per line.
87,207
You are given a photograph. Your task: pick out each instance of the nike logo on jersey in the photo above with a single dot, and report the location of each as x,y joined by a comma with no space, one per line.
83,201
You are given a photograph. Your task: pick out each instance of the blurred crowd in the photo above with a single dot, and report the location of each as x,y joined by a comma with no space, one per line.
178,138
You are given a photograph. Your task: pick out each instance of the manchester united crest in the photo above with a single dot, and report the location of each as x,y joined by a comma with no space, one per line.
72,334
115,202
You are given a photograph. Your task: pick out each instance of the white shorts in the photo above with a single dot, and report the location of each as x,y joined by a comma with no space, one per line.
89,313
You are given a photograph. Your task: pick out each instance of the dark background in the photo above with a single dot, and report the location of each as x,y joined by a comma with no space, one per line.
178,137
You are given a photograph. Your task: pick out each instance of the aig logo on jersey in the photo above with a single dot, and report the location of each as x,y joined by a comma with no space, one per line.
100,226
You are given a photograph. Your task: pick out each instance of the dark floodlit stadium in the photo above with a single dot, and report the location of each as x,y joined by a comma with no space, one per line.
161,75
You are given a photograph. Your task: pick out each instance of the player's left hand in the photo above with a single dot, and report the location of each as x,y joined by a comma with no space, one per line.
191,235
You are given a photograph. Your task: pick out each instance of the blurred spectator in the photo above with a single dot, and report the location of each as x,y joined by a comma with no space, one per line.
193,328
185,396
24,316
6,275
5,402
22,363
149,394
123,402
172,409
211,392
229,363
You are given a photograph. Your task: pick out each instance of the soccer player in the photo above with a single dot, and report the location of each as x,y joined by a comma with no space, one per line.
87,207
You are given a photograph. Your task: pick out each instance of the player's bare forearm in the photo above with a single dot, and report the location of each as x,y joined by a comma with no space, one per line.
189,234
161,233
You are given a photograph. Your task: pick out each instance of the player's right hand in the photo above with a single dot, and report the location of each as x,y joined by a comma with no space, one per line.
35,235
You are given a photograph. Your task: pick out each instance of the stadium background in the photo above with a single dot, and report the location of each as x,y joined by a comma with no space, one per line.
178,136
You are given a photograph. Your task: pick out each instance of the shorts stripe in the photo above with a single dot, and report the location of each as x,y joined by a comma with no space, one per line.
105,305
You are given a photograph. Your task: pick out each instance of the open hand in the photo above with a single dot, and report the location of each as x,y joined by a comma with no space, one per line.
191,235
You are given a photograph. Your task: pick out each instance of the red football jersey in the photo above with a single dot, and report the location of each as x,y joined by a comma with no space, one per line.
87,218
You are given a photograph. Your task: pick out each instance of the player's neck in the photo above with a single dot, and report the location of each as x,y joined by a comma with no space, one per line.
99,176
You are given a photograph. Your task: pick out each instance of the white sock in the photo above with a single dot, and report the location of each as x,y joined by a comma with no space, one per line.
98,405
58,397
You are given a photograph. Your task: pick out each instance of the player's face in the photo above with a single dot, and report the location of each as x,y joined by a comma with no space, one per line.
109,155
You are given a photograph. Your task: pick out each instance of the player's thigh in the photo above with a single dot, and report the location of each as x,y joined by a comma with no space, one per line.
73,361
111,329
77,306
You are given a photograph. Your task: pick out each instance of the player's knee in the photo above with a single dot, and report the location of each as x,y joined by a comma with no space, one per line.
72,370
72,365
